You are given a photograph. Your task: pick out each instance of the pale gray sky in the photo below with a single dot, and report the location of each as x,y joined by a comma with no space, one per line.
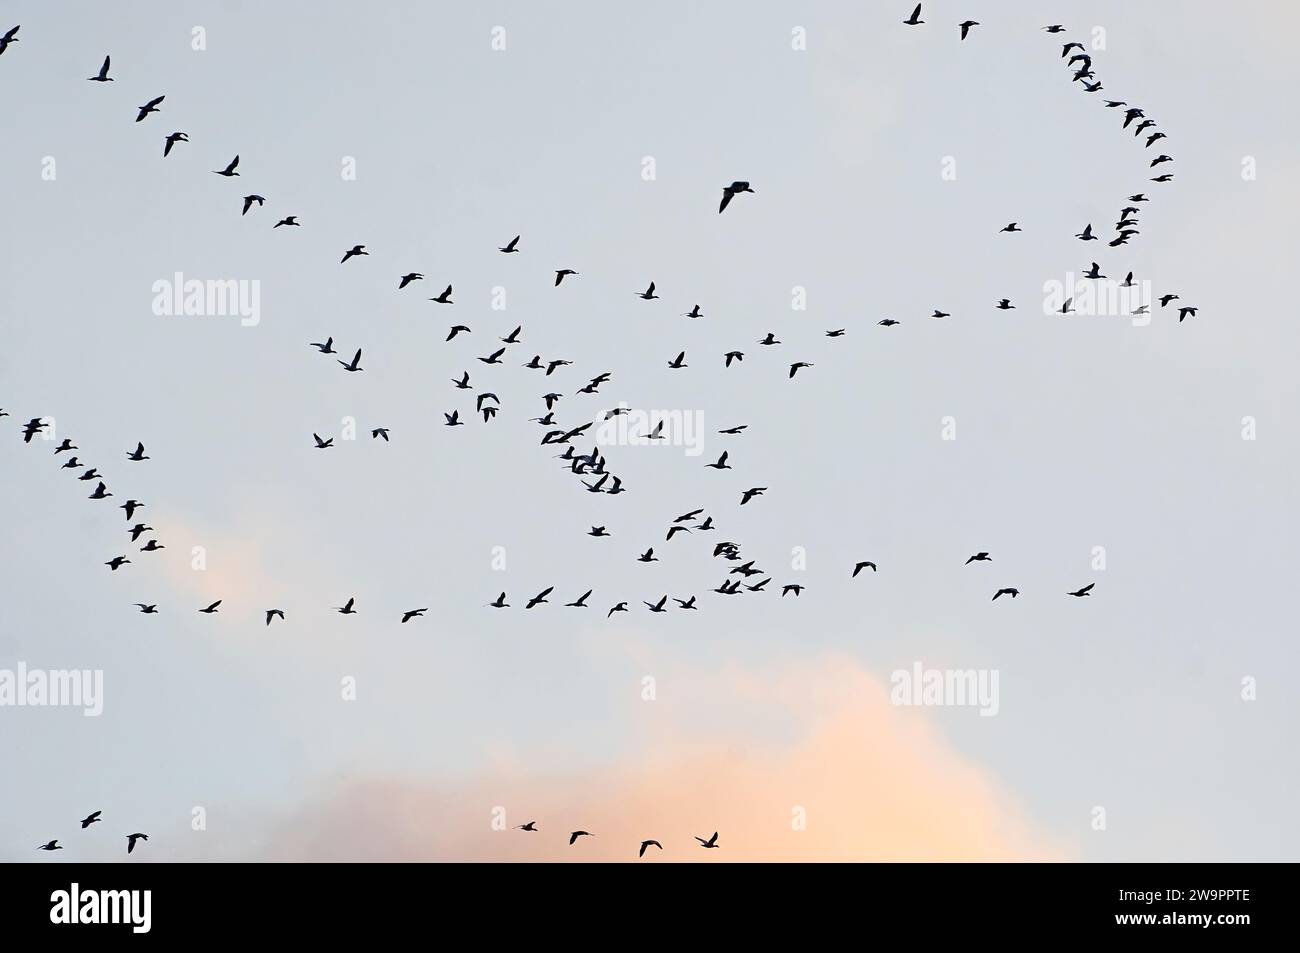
1072,432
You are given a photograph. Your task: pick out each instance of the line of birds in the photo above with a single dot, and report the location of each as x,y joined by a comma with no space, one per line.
708,844
94,818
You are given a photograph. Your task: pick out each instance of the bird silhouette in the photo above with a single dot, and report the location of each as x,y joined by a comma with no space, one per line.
150,107
102,76
171,140
354,365
229,170
730,192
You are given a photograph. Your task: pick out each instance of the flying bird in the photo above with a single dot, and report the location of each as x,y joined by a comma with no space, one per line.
346,608
562,274
445,297
966,25
865,564
1005,592
1079,593
102,76
412,614
510,246
648,294
250,199
355,365
90,819
980,557
229,170
915,18
288,220
212,608
794,368
407,279
150,107
12,37
138,454
640,853
712,842
132,838
171,140
353,252
731,191
539,598
322,444
272,613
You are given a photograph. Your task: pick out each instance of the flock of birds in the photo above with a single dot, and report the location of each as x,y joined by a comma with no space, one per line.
710,843
94,818
591,468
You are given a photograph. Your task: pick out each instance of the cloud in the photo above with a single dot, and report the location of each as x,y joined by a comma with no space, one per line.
870,781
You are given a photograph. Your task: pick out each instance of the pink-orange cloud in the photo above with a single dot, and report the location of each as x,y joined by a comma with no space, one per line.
860,779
